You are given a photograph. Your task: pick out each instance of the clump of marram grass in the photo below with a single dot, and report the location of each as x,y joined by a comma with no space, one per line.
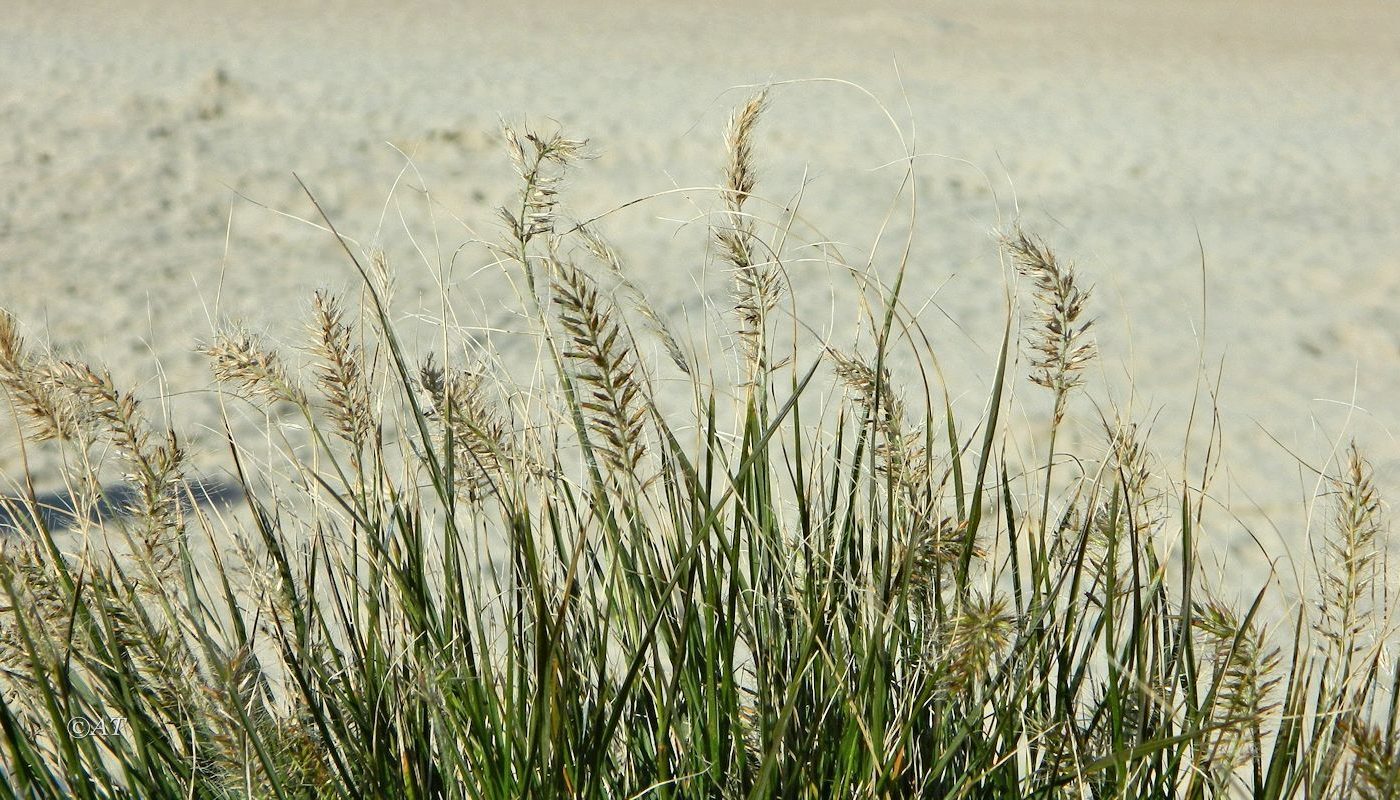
449,594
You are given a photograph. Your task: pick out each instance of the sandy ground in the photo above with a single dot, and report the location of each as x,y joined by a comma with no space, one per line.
1123,131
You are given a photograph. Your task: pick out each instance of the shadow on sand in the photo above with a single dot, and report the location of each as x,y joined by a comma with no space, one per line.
60,510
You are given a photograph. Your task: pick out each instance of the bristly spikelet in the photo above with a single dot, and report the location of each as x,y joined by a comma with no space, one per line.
1129,458
541,162
33,389
39,597
936,544
740,176
1059,346
871,391
1131,465
900,452
1352,555
241,359
1376,763
483,449
382,278
756,284
1245,670
976,635
156,470
339,371
607,366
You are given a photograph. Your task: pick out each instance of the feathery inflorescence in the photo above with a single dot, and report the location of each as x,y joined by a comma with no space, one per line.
1376,762
603,352
241,359
1245,677
483,448
34,388
340,373
1352,556
541,162
900,451
1059,345
155,469
756,278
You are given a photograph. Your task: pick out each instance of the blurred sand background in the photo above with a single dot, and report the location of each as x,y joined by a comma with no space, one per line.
1122,130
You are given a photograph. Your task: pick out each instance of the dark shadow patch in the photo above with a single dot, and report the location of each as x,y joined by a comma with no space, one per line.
59,510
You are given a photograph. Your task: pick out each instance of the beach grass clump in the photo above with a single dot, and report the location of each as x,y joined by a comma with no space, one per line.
805,582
